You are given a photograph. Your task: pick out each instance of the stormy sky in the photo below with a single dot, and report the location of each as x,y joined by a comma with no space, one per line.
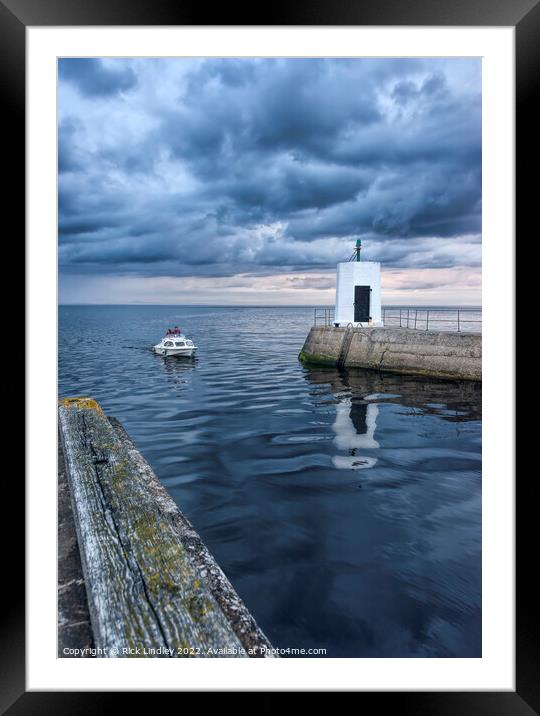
247,180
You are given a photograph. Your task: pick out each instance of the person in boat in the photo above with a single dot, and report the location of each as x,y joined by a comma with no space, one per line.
169,332
176,331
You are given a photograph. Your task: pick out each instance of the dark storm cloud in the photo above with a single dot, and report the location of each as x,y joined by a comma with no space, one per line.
67,153
93,78
221,166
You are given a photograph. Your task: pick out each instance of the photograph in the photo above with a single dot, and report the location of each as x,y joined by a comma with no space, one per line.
270,362
269,357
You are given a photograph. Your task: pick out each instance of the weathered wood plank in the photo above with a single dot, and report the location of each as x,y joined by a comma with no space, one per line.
74,629
236,612
147,595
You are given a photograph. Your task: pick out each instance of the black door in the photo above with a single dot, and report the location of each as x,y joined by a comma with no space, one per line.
362,297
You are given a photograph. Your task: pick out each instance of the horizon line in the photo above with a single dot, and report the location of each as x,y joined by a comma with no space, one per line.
270,305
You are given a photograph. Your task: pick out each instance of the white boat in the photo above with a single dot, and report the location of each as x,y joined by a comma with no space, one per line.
175,344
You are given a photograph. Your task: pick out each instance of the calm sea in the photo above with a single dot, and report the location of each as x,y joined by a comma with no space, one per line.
343,505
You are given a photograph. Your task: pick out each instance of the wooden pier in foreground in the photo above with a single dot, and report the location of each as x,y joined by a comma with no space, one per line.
152,587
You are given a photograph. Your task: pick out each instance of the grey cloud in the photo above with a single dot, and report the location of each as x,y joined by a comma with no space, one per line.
93,78
406,91
69,158
251,164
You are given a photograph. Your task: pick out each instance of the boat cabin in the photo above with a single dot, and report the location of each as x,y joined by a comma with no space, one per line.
176,342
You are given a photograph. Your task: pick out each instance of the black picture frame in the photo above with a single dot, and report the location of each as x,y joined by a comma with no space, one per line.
524,16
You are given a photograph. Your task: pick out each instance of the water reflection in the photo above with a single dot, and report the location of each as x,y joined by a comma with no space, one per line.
246,438
411,574
177,370
453,401
354,427
358,394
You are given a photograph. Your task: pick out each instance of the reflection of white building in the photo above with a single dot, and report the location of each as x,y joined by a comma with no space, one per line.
354,427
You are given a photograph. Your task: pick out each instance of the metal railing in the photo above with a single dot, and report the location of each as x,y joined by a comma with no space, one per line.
450,319
323,317
421,319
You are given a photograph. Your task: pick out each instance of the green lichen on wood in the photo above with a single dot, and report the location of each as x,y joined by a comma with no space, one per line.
144,591
81,402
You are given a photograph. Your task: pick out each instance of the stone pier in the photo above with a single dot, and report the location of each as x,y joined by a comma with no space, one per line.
437,354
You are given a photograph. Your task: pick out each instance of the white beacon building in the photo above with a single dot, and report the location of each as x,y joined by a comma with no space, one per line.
358,292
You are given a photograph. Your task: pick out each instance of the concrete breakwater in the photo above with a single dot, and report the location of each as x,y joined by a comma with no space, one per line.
151,587
437,354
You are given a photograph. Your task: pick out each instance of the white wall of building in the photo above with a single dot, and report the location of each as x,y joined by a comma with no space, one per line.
357,273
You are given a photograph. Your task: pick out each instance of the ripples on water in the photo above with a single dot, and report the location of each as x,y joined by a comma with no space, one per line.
344,506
